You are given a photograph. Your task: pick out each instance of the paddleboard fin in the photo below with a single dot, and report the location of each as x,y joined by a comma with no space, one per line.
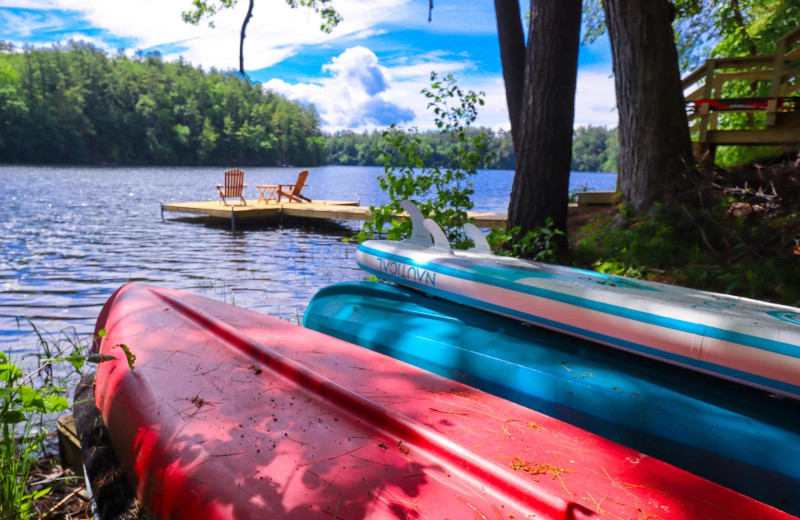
419,234
439,238
481,245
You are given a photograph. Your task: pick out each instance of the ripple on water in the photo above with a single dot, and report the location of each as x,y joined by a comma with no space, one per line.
70,236
64,255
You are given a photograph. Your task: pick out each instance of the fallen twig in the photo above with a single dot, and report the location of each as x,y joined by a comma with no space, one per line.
62,502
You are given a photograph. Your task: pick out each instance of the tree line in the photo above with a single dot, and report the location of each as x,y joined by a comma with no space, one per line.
74,104
594,148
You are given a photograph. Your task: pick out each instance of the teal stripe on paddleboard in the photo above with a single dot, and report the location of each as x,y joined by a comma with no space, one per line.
514,275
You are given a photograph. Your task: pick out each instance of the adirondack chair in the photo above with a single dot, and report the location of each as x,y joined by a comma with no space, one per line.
234,184
292,191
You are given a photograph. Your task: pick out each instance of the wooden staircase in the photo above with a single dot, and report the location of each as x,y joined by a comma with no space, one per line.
772,106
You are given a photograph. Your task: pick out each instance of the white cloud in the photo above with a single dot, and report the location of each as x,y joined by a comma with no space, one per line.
358,66
595,101
357,96
410,74
275,32
362,94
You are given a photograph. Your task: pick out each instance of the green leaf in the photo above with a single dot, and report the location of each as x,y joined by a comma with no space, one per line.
27,395
76,361
12,417
33,497
39,494
99,358
55,403
128,355
9,372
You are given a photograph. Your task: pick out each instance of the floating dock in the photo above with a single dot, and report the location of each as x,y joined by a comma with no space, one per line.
319,209
350,210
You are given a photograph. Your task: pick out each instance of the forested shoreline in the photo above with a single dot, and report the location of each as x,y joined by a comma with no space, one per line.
594,148
75,104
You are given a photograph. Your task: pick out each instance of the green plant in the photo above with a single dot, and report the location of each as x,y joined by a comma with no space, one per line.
539,245
709,248
28,403
617,268
66,348
441,193
21,408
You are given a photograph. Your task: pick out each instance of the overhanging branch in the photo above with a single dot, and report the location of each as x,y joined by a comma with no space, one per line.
242,36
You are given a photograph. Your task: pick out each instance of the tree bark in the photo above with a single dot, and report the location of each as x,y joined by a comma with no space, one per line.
541,181
512,56
655,161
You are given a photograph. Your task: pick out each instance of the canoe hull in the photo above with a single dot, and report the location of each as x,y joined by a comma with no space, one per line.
229,414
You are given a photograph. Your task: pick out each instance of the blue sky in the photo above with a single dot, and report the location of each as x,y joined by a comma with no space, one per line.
366,74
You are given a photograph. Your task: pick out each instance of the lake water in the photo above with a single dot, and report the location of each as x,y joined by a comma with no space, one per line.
70,236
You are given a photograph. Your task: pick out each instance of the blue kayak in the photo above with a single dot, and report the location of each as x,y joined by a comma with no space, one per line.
738,436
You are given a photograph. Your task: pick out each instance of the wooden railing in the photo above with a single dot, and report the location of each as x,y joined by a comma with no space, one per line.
773,84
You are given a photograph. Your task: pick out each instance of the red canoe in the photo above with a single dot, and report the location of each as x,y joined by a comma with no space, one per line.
230,414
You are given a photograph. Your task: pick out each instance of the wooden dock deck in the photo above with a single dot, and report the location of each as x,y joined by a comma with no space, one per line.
320,209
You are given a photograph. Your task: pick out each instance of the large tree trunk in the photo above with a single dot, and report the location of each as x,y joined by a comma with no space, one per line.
512,56
655,161
541,182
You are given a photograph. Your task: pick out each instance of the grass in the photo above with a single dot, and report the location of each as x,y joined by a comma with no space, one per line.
29,403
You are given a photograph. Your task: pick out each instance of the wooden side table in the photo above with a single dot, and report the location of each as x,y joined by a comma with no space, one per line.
262,190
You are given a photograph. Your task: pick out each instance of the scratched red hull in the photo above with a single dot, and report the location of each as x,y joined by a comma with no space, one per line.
230,414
